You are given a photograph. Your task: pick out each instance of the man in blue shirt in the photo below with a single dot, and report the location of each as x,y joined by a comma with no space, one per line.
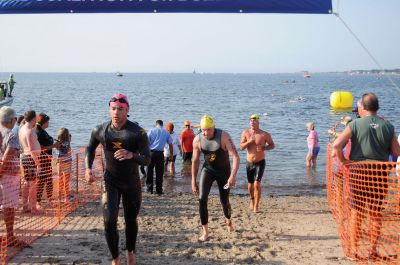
158,138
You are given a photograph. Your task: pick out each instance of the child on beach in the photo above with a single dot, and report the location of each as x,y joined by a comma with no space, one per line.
64,162
313,146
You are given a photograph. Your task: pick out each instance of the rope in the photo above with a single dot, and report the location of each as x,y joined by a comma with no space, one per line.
366,50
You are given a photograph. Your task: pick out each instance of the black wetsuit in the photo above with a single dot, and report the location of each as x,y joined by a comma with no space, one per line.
121,178
216,167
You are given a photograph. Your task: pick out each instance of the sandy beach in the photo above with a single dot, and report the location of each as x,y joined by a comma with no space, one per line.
288,230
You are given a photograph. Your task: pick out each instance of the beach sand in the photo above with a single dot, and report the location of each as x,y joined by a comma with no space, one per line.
288,230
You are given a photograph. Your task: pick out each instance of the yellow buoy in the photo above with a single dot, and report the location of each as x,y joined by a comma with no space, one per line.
341,100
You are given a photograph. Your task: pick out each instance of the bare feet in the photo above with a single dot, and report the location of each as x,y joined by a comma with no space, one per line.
256,209
229,225
116,261
26,209
251,206
130,258
37,210
203,238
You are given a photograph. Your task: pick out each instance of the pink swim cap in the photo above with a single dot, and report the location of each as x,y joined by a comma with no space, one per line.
119,99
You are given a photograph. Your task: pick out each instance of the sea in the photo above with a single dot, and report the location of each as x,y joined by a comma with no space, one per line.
286,102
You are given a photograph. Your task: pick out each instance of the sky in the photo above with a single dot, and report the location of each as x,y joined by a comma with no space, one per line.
209,43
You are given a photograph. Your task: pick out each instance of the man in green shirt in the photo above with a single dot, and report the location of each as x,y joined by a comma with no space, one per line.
11,83
372,139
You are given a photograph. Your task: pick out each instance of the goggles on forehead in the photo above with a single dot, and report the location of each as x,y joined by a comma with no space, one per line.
121,100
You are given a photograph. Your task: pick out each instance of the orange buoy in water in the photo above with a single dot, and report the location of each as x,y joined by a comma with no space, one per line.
341,100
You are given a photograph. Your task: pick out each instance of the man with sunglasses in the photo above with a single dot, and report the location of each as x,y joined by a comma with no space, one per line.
125,147
256,141
187,137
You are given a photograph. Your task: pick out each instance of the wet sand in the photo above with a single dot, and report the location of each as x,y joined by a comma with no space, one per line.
288,230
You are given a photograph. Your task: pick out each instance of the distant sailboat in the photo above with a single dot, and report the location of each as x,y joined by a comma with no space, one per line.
119,74
194,71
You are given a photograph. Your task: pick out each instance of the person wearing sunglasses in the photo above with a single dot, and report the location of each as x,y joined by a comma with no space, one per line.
125,147
187,137
256,141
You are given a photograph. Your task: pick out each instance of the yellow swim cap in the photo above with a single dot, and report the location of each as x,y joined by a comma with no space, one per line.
255,116
206,122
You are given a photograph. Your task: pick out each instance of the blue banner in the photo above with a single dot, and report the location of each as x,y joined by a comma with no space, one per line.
165,6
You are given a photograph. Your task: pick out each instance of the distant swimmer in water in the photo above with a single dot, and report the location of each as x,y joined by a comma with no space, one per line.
216,145
297,99
256,141
313,146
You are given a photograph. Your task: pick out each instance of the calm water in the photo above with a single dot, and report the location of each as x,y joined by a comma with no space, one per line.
79,102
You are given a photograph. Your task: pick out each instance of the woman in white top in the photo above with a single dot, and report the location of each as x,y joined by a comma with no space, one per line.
176,144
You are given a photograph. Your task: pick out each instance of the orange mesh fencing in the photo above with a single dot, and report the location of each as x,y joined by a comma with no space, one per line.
37,192
364,198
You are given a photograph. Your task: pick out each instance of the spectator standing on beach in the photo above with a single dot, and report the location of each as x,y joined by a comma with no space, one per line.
47,144
158,138
187,137
30,162
64,162
176,144
11,84
20,122
216,145
313,146
125,146
9,172
256,141
372,139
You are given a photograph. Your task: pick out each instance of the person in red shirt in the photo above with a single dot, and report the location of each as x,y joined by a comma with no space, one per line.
187,137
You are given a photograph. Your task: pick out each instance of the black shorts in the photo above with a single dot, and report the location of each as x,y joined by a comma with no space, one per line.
166,160
29,166
187,156
368,187
255,169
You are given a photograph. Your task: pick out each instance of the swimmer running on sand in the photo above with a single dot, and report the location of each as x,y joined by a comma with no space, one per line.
256,141
216,145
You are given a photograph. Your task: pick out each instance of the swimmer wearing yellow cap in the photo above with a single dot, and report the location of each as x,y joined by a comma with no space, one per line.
207,126
217,146
256,141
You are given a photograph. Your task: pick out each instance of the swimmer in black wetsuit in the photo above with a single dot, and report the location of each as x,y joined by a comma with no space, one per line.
216,145
125,147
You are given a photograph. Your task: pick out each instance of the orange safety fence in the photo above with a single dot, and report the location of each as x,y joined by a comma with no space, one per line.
37,192
364,198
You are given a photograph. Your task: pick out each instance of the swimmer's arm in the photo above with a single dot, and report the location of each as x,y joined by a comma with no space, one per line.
339,142
143,157
195,163
230,147
243,141
90,151
269,141
395,147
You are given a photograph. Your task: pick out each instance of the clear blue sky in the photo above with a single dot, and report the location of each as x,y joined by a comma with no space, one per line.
229,43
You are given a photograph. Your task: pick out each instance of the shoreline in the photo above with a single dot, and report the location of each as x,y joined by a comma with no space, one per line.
288,230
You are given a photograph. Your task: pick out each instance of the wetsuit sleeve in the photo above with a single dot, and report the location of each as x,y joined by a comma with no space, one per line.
143,155
91,147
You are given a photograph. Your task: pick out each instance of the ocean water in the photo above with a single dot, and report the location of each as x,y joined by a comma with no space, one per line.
79,101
